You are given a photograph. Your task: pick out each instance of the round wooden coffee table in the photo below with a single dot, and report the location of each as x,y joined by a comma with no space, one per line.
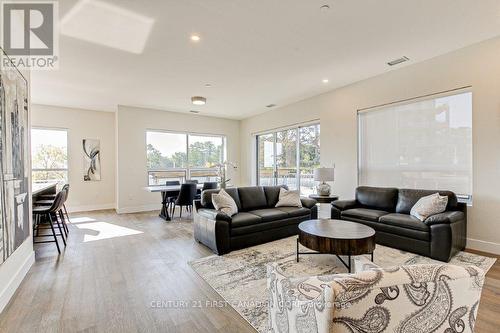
341,238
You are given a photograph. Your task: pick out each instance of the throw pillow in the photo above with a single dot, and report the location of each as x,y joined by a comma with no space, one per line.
429,205
289,198
223,202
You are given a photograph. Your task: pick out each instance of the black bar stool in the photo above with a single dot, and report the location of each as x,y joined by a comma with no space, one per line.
49,212
52,196
49,202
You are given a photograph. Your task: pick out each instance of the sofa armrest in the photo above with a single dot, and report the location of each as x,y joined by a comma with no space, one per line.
296,303
344,204
308,202
213,214
445,218
361,264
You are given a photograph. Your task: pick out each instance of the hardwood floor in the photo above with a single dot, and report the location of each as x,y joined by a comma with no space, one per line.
109,285
119,273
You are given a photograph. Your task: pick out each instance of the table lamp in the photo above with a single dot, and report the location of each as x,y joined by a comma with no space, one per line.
324,175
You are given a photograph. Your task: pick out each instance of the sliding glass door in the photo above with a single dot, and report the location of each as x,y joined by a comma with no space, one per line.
288,157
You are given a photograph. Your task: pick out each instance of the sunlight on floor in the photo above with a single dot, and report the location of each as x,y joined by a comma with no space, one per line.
81,220
103,230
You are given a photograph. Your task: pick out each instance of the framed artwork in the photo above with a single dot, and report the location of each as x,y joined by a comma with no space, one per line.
14,163
91,160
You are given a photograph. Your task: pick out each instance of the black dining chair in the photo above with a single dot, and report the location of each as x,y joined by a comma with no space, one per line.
171,199
51,215
185,198
207,186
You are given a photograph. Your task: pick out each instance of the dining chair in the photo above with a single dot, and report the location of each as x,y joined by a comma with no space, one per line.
185,198
171,199
207,186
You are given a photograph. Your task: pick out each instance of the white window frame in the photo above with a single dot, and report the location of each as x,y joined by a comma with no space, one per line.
43,128
188,168
296,127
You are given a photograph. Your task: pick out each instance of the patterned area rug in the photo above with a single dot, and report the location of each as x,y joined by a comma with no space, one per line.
240,276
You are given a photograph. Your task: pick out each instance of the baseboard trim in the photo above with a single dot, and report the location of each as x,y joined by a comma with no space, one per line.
14,283
484,246
138,209
88,208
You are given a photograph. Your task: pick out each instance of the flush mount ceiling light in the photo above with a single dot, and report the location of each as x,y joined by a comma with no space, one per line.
195,38
324,8
208,85
270,105
194,111
198,100
325,80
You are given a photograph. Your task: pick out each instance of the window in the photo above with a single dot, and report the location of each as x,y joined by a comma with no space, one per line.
49,151
288,157
181,156
425,144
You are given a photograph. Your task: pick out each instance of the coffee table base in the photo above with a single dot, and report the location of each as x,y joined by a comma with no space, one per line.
347,265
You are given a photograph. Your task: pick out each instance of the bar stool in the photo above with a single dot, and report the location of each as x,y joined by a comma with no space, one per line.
52,196
60,212
40,212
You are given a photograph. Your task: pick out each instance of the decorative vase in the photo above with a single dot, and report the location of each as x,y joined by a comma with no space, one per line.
323,189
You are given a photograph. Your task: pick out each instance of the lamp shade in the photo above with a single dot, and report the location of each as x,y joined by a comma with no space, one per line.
324,174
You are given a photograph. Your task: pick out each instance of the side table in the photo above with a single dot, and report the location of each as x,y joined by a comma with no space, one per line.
324,199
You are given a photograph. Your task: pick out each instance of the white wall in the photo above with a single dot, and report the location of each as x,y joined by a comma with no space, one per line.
132,124
477,65
84,124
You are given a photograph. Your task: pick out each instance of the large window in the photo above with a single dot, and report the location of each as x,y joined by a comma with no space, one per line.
289,157
181,156
49,151
424,144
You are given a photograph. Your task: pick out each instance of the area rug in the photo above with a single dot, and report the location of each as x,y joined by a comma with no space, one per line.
240,276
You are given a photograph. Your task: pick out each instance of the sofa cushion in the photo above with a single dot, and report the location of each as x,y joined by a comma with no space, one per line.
380,198
404,221
364,214
244,219
272,194
252,197
258,230
270,214
206,197
407,198
295,211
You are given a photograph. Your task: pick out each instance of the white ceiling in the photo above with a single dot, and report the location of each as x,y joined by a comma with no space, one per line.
252,52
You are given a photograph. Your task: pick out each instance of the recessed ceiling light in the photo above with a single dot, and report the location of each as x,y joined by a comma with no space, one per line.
194,111
324,8
325,81
195,38
198,100
270,105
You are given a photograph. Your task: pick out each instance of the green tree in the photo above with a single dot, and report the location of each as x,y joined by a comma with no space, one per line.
50,157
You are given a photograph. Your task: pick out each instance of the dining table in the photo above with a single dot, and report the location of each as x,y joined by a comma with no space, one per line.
166,192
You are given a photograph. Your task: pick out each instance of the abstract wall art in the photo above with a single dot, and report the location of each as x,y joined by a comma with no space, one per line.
91,160
14,159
